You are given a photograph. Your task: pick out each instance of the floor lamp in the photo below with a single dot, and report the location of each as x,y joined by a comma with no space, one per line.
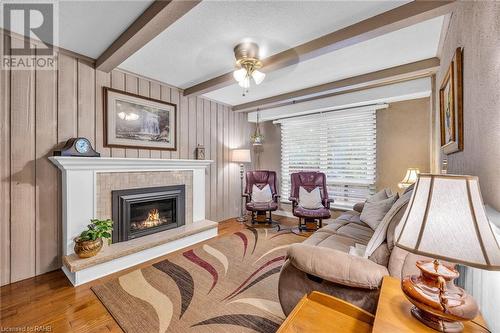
241,156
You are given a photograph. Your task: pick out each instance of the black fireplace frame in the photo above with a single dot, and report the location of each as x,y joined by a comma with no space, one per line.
123,199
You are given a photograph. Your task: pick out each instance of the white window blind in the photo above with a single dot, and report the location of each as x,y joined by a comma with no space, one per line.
341,144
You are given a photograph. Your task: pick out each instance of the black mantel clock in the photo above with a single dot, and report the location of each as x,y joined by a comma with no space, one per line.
80,147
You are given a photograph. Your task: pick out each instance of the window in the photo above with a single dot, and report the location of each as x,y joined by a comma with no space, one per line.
342,144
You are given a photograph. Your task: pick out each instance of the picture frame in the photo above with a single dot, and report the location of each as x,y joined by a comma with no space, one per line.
134,121
451,106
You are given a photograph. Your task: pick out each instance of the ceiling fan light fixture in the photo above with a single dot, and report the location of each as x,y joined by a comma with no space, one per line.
247,65
245,83
240,74
258,77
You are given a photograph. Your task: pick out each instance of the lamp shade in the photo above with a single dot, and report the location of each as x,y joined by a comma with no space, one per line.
446,219
241,155
410,178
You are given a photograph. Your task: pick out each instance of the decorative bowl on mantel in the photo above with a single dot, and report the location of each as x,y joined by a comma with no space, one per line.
87,248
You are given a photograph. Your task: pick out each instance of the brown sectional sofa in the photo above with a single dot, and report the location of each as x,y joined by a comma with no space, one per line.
323,263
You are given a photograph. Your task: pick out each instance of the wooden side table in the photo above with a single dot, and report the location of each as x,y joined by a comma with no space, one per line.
393,313
318,312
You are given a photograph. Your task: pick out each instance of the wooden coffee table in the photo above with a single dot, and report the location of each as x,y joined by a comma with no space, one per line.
318,312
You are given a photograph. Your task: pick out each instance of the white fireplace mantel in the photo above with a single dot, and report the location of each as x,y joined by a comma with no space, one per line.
79,186
118,164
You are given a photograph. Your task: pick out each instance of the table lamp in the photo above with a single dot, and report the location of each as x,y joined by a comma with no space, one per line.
445,220
241,156
410,178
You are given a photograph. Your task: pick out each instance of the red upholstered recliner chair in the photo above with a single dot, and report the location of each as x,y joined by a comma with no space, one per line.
309,180
261,178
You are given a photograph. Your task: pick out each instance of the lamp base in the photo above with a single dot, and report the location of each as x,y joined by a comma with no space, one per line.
438,303
436,322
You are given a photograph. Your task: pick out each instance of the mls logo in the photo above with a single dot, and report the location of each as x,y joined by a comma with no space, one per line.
34,29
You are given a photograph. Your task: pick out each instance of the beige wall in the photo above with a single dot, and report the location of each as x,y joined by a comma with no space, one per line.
475,26
403,141
41,109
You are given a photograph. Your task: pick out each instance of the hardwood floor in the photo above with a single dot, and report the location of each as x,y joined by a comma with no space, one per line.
49,303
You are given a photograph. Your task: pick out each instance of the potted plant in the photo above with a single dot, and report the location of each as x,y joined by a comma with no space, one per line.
89,243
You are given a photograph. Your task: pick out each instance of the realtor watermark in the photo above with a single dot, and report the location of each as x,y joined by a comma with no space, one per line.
36,328
33,27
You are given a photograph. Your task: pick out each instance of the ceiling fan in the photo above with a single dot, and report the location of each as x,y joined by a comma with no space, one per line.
247,65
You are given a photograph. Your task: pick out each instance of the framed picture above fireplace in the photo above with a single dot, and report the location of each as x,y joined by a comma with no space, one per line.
136,121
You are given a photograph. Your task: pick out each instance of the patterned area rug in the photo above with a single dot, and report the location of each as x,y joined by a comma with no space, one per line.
229,284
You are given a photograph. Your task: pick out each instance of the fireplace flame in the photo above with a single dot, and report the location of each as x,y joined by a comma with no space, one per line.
153,215
153,218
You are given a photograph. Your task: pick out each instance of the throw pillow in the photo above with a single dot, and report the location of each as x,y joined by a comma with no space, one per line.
310,200
374,212
263,195
380,234
380,195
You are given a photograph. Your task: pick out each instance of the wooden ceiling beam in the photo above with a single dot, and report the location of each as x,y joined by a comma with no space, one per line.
392,20
155,19
386,76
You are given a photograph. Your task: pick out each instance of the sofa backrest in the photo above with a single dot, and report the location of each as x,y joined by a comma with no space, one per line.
386,229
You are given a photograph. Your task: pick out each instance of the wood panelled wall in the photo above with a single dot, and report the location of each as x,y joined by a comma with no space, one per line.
41,109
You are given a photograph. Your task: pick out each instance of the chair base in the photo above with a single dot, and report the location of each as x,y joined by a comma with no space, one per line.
241,219
303,229
268,222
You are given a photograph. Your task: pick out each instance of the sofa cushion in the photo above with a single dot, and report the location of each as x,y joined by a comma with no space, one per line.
323,213
333,226
380,195
330,241
359,232
374,212
391,230
336,266
381,255
349,216
310,199
392,216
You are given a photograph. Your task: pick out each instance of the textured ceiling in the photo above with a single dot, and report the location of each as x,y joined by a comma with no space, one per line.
403,46
200,45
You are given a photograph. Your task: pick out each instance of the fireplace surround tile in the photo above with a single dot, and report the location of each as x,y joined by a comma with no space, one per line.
109,181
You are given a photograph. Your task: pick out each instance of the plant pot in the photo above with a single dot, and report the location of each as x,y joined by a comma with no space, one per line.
87,249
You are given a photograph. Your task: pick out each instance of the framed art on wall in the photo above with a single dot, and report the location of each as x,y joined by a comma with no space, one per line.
140,122
451,107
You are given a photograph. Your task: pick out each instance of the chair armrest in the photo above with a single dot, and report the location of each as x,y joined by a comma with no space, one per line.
337,266
326,202
247,196
359,207
276,197
293,199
